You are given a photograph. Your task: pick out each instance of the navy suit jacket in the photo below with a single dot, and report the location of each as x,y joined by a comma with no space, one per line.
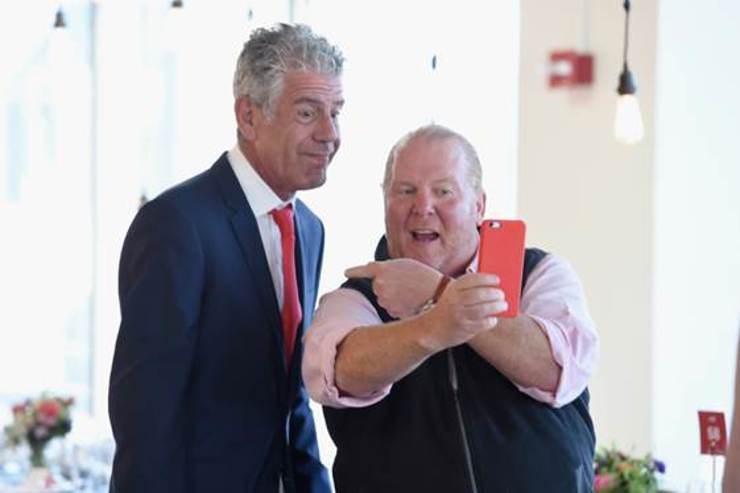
201,399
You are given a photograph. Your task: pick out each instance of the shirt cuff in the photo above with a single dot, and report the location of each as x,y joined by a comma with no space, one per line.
339,313
573,376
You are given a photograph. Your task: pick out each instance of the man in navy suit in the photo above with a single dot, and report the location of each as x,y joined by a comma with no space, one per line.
205,391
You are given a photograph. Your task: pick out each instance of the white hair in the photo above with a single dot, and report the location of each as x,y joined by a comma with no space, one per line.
437,132
271,52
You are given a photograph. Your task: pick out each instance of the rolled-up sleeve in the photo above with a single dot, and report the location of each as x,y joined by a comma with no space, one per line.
339,313
554,298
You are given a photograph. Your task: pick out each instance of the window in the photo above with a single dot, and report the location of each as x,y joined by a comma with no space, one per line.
45,204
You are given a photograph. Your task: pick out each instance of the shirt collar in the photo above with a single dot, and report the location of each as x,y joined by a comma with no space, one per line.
260,196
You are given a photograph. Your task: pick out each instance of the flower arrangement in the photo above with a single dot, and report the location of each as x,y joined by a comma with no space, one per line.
37,422
616,472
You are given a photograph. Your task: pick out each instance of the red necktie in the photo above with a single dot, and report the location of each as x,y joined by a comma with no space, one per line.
291,313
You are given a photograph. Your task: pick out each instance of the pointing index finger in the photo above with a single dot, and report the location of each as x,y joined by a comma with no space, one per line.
367,271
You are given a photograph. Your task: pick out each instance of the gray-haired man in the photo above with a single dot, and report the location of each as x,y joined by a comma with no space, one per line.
218,281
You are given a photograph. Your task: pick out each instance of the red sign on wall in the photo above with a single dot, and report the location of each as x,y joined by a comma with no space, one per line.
569,68
713,432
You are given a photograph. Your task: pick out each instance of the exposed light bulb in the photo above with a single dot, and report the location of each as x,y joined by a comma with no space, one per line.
628,127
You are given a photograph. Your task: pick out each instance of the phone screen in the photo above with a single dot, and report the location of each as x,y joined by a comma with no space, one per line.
502,254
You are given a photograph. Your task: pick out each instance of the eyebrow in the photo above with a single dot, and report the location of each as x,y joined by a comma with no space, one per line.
317,102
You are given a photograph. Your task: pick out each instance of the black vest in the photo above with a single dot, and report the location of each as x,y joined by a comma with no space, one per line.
417,438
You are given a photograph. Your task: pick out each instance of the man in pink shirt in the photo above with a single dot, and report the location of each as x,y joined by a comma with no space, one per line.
424,388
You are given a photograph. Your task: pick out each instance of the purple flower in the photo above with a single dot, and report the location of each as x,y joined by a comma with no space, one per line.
659,466
40,432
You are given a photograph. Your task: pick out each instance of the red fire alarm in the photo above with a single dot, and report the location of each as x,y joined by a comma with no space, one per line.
569,68
713,432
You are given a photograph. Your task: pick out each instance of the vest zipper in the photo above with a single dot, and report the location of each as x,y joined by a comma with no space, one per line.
460,422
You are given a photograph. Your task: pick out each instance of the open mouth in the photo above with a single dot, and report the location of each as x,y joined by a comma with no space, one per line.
424,235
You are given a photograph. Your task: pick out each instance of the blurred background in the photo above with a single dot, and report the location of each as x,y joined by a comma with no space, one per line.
127,98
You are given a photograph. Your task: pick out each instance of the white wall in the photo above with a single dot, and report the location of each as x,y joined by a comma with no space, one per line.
697,219
390,89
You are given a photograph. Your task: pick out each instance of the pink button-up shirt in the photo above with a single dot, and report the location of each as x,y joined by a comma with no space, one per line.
552,296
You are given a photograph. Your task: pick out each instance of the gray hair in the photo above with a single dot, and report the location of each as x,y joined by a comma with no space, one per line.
271,52
437,132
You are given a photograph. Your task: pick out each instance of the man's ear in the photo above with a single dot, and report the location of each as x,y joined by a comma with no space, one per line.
480,207
244,110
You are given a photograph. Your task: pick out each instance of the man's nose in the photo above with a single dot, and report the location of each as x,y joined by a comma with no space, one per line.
326,129
423,203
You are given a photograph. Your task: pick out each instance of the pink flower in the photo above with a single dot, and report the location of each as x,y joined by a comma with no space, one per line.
39,420
602,482
48,411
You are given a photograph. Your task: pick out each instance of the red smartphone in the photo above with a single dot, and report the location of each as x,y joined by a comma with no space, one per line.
502,254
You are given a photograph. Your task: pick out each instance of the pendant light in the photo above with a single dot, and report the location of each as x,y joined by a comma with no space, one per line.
59,20
628,127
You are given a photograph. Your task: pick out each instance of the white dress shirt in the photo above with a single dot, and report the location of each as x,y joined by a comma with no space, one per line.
262,200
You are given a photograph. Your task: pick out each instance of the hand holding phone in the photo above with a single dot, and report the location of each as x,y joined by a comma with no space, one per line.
502,253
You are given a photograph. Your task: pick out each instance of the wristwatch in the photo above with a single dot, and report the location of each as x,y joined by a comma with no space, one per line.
428,304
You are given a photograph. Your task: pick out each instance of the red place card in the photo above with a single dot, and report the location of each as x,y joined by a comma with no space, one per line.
713,432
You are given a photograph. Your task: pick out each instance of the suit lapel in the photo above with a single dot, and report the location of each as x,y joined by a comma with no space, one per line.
248,236
303,270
